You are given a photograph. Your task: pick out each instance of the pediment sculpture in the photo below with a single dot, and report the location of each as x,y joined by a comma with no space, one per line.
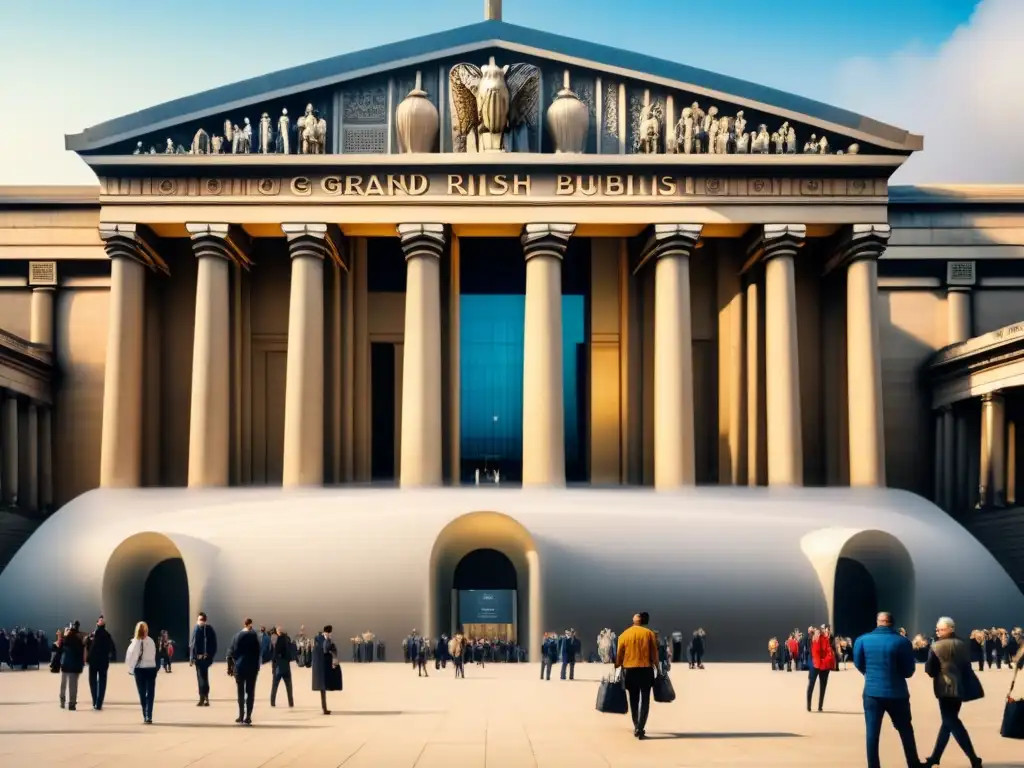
494,107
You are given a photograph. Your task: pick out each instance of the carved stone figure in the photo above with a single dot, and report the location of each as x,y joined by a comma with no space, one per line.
568,120
760,143
236,139
741,123
312,132
494,107
709,131
724,137
266,135
417,121
823,146
684,132
811,145
229,133
791,141
776,142
138,149
743,144
245,145
853,149
217,145
169,149
180,150
200,143
152,149
648,134
282,143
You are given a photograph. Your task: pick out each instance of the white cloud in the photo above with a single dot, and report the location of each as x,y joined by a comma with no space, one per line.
966,98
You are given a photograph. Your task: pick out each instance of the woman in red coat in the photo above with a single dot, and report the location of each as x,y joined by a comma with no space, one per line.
823,661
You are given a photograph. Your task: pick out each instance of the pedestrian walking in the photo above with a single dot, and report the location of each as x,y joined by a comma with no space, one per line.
954,682
72,663
823,660
637,656
100,653
141,663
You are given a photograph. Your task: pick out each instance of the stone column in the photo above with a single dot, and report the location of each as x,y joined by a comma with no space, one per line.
958,314
217,247
939,463
1011,464
30,494
992,465
130,251
421,446
544,247
308,245
731,379
45,459
9,421
948,458
778,246
670,246
41,321
961,479
859,250
755,375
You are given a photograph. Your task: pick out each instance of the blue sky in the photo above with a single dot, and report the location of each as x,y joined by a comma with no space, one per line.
69,64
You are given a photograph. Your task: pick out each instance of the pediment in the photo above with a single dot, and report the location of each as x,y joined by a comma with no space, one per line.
356,97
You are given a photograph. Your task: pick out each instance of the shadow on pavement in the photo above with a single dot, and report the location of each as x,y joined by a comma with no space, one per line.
705,735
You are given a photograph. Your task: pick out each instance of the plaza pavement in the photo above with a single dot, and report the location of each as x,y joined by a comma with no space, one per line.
726,715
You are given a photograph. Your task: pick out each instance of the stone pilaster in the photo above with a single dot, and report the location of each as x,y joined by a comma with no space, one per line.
9,424
216,247
544,246
309,245
421,442
131,251
41,316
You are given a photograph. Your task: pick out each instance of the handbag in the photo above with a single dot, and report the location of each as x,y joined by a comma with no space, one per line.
972,685
663,690
1013,711
611,696
138,661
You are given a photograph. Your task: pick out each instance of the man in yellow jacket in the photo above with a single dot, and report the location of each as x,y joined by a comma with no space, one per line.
637,655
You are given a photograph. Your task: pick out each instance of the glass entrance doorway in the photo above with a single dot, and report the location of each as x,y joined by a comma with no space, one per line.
492,632
484,596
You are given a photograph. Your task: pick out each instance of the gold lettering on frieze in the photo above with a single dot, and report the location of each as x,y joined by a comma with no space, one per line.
301,186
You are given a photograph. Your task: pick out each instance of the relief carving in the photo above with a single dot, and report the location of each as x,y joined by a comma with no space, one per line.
493,108
366,105
611,113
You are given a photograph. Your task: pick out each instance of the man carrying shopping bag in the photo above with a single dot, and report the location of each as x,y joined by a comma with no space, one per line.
637,655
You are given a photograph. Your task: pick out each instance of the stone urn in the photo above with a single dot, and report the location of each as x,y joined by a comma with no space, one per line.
417,121
568,121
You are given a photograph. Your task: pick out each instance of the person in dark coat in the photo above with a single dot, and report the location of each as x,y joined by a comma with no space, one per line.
245,650
5,651
100,653
568,647
282,661
326,668
949,666
696,650
201,650
422,651
72,663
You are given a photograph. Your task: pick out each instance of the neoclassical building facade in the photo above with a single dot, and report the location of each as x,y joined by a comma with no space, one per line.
495,255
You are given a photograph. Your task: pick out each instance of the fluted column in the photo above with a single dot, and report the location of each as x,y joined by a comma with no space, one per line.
948,438
958,314
991,483
308,245
45,459
131,252
544,247
859,249
421,449
217,247
778,245
670,246
41,316
755,375
9,421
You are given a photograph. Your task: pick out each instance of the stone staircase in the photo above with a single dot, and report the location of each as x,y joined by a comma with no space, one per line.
1002,533
15,528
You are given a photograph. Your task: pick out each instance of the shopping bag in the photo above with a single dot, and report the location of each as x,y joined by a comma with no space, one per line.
611,697
1013,710
663,691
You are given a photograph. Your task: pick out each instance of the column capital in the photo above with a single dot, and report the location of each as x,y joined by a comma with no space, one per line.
222,241
992,397
546,239
660,240
771,240
422,240
321,241
857,242
131,241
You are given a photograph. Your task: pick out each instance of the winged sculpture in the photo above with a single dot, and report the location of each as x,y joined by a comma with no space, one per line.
494,107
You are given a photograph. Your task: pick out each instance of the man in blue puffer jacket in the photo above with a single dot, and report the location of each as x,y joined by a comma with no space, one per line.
886,659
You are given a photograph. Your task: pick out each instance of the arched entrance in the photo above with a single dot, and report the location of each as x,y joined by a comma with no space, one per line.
484,596
873,573
146,580
487,552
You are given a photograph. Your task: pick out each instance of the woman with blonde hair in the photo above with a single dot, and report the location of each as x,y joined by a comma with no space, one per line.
141,662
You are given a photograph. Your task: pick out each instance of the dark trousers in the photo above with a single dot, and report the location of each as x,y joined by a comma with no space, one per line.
572,669
145,682
638,685
97,685
545,666
282,672
421,666
323,700
460,667
949,709
875,709
203,678
822,676
696,657
246,686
